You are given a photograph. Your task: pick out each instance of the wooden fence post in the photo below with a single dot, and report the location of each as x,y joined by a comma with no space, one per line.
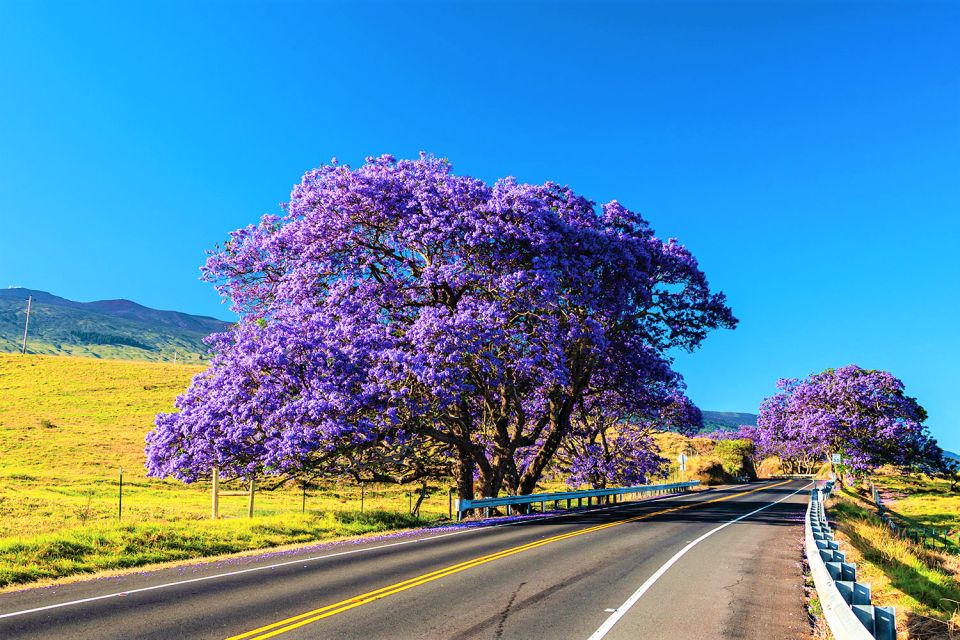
253,489
215,499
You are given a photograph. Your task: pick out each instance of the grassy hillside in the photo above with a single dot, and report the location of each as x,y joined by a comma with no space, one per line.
726,420
920,501
67,425
86,417
110,329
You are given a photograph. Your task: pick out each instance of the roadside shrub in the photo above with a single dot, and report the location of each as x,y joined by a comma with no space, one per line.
769,467
702,446
736,456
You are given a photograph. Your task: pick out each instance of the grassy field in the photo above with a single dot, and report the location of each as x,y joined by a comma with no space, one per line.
920,501
67,426
923,584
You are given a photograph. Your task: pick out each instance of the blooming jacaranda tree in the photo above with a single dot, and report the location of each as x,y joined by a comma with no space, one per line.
402,322
742,432
862,414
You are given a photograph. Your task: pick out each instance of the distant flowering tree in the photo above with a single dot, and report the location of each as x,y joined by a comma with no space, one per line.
401,322
862,414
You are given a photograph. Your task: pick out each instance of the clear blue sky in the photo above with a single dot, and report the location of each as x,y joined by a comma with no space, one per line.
808,153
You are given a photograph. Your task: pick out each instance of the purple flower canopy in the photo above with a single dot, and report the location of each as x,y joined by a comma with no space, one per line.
743,432
402,322
862,414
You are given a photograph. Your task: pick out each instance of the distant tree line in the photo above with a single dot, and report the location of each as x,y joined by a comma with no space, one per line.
95,337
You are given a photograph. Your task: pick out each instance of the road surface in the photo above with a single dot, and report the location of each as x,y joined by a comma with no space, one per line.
723,563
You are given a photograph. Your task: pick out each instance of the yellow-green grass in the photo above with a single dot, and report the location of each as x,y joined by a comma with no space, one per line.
920,501
103,547
922,583
184,351
67,426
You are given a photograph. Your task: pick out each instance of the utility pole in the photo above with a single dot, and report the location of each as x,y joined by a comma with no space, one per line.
26,325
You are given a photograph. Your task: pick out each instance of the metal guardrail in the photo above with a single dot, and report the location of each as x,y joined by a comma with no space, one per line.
589,495
845,602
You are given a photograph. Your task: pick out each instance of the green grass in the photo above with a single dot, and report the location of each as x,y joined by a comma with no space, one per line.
67,425
920,500
108,351
99,548
922,583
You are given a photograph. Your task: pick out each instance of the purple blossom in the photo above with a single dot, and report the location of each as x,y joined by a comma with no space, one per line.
400,322
862,414
743,432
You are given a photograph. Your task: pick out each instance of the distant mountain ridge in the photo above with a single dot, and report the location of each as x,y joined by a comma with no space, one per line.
104,328
726,420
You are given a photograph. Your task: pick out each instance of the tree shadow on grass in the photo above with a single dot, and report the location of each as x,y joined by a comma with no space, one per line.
940,595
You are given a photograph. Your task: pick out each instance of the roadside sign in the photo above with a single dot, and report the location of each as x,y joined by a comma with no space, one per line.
682,459
836,458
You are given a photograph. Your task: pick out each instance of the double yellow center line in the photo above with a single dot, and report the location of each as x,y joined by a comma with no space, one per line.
289,624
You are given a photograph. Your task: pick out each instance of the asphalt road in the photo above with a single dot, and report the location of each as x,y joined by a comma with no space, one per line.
723,563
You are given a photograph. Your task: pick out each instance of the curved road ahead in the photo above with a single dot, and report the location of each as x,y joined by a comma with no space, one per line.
723,563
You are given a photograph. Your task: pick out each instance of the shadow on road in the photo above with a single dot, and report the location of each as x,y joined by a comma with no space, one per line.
786,513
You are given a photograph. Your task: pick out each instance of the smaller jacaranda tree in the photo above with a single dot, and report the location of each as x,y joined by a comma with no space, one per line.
861,414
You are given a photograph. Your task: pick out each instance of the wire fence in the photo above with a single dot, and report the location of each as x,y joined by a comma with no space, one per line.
940,538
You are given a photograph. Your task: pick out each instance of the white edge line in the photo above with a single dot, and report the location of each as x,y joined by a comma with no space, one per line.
632,600
167,585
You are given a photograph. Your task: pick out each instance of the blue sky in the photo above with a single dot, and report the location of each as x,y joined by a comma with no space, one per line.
808,153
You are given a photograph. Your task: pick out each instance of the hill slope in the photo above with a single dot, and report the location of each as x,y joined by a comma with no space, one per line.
728,420
102,329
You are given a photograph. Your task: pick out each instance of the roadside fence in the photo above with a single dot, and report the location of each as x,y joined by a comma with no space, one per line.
591,496
941,538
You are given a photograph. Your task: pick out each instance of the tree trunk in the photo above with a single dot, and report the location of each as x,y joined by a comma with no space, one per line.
533,473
